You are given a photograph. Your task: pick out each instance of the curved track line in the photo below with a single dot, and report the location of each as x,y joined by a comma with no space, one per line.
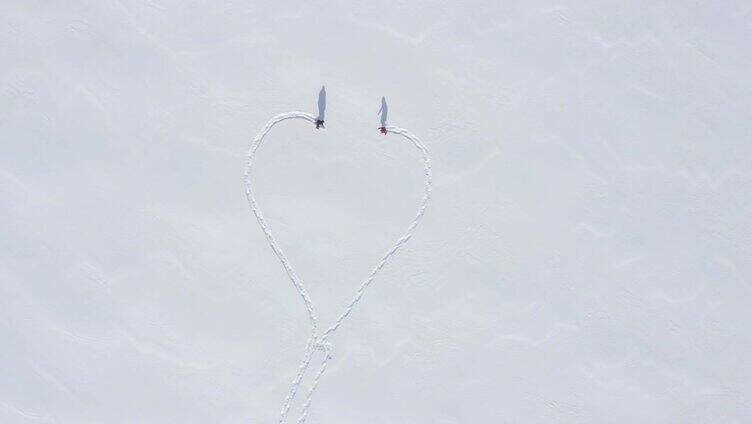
318,341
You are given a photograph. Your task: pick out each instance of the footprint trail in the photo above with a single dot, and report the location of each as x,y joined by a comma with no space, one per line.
318,340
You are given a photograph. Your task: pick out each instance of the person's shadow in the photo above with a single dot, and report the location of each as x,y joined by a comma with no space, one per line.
383,111
322,107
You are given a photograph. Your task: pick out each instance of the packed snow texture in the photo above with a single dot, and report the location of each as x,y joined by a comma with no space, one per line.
585,257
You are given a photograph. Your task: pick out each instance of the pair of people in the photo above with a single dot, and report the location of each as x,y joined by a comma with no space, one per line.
322,107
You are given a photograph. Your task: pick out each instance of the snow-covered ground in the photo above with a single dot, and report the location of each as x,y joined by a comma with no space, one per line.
586,256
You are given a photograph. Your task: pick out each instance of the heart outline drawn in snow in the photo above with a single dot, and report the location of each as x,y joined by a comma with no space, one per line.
318,341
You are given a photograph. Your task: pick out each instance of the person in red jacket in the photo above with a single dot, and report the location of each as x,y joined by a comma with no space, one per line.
383,111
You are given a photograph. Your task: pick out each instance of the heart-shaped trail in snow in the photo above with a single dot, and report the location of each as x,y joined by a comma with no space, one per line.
318,340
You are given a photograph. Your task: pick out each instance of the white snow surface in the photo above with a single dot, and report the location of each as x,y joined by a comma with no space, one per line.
586,256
